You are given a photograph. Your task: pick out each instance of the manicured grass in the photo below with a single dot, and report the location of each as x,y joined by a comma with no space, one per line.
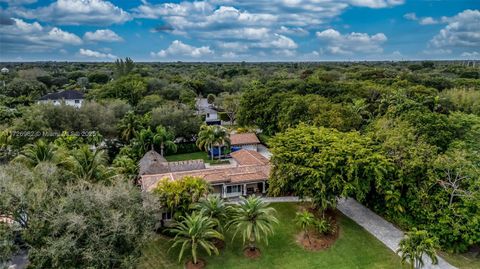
355,248
194,156
462,261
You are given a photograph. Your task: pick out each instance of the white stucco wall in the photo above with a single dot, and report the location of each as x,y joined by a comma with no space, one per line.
70,102
211,116
249,147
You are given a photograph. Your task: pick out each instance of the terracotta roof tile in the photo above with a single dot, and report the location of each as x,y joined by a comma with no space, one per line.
216,175
244,139
249,157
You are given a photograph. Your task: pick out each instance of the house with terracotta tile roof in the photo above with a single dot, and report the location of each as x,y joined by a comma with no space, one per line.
247,141
247,175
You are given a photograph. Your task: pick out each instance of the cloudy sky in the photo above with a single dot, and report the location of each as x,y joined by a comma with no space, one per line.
239,30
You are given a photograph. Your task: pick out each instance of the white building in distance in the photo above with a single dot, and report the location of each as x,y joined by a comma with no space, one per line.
70,97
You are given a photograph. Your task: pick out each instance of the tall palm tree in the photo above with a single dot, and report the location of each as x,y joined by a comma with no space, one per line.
129,125
254,219
194,231
164,138
305,220
214,207
143,141
88,165
414,245
222,138
206,138
40,151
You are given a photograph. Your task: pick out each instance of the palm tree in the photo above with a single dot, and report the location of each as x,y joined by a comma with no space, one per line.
222,138
143,141
254,219
206,138
305,220
193,231
214,207
129,126
164,138
414,245
88,165
40,151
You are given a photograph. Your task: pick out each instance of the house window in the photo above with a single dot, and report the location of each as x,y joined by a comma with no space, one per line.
77,101
208,115
234,189
166,215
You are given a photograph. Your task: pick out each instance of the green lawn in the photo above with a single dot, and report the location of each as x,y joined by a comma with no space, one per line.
194,156
355,248
462,261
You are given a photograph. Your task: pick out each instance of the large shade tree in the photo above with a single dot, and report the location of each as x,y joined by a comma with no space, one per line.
324,164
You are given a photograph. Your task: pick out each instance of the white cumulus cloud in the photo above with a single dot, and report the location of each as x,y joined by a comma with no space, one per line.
338,43
102,35
77,12
462,30
180,49
95,54
24,36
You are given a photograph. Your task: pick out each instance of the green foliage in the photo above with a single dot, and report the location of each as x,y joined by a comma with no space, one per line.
94,227
414,245
24,87
7,245
130,125
305,220
34,154
211,136
210,98
194,231
180,120
254,219
324,226
179,195
229,104
129,87
148,103
164,139
88,165
214,207
324,164
123,68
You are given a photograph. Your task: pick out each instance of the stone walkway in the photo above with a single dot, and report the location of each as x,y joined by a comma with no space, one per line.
381,229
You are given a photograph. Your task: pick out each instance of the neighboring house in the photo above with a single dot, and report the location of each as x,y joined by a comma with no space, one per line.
69,97
207,110
154,163
248,176
244,141
4,70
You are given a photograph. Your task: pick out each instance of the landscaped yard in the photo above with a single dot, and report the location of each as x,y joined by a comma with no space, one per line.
194,156
355,248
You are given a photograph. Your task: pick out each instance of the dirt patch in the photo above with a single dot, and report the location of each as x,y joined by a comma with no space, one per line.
200,264
317,241
251,254
220,244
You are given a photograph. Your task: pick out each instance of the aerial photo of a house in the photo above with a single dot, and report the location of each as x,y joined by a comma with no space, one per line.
247,174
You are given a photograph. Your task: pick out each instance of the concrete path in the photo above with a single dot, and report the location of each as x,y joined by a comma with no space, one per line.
381,229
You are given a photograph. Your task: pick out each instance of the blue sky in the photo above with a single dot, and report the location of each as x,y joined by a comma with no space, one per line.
239,30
